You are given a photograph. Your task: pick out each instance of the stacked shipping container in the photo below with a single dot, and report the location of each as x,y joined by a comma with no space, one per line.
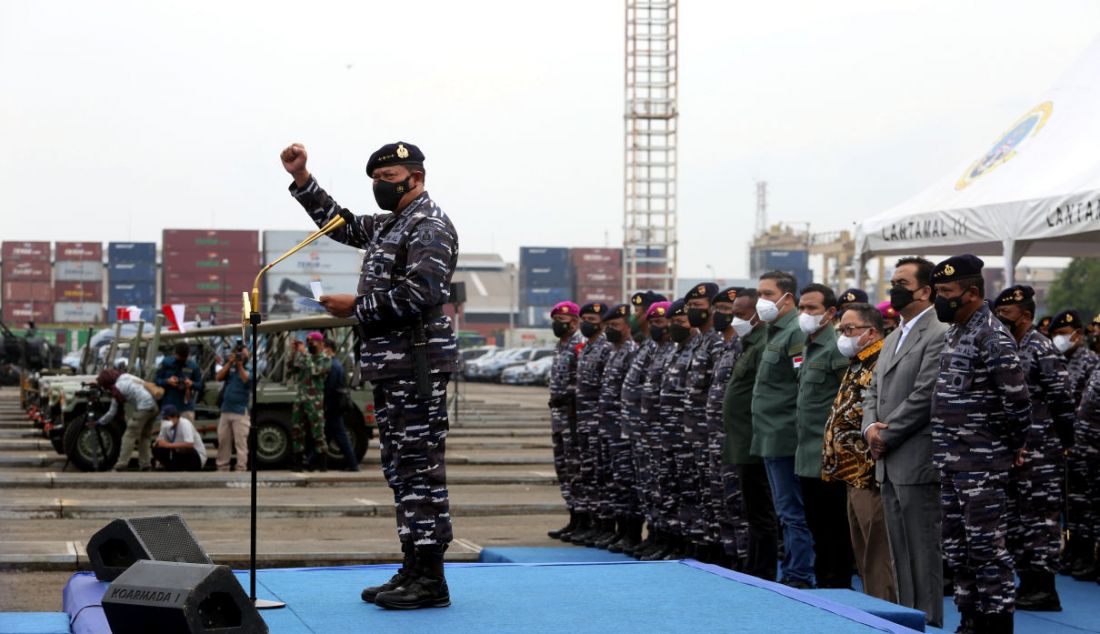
78,282
27,291
598,275
207,270
132,277
336,266
545,278
795,262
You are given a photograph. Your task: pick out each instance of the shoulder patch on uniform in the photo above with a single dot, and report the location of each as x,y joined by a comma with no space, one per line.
425,236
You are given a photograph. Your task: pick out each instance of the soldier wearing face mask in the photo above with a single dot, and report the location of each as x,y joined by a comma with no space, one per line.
1035,487
650,460
981,412
564,319
823,367
1078,558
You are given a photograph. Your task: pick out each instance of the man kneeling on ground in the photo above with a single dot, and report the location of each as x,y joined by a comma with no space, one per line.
179,446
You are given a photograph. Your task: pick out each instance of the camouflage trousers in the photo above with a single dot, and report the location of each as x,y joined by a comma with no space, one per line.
640,460
974,540
413,436
666,454
615,465
585,485
733,528
563,435
308,414
717,511
693,485
1034,510
1081,496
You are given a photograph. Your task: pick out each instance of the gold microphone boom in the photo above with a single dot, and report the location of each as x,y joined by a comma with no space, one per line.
330,226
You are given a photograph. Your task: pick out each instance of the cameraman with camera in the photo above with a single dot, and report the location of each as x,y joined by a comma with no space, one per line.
234,425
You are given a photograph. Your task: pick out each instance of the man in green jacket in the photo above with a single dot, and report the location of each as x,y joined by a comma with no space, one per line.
756,495
826,503
775,421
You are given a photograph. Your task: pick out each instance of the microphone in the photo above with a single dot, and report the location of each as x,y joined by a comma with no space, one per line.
252,303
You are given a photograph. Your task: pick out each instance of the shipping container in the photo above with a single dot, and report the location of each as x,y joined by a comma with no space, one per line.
207,283
553,257
16,314
763,260
298,285
607,294
605,257
28,270
78,251
148,311
546,296
279,242
540,277
132,272
126,293
220,240
206,261
536,316
598,276
347,261
77,313
70,271
78,292
24,251
28,292
132,252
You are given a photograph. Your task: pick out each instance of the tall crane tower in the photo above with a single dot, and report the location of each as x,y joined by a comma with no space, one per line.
649,193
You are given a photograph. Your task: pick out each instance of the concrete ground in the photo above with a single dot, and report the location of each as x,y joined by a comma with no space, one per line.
500,475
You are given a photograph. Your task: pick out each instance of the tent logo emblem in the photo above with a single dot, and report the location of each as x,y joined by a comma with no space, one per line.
1005,148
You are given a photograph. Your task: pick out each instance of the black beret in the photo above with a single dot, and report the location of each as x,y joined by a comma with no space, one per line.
853,295
1044,321
957,267
594,308
639,298
678,307
400,153
654,297
1014,295
727,295
704,290
616,312
1067,319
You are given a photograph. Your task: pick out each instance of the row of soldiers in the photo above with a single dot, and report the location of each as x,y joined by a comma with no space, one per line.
732,421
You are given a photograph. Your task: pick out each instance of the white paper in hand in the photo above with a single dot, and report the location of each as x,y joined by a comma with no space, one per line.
316,288
309,304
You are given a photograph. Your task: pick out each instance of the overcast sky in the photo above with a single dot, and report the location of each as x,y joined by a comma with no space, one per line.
119,119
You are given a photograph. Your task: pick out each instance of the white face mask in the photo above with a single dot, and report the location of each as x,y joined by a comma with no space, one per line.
1063,342
768,310
741,326
809,324
848,346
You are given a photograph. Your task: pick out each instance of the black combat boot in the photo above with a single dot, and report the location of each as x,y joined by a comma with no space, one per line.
296,462
567,529
404,575
659,549
322,463
613,535
632,536
1085,568
999,623
426,589
585,527
1071,552
1037,592
968,623
677,549
643,545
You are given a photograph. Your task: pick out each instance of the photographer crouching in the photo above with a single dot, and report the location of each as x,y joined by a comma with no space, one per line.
234,424
179,446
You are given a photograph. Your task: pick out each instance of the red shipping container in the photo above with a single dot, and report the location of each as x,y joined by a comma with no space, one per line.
78,251
611,295
211,261
17,314
30,270
221,240
206,284
25,251
598,276
28,292
597,257
78,292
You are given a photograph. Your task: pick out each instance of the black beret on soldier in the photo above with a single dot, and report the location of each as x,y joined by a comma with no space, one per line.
654,297
705,290
726,295
853,296
678,307
1067,319
595,308
617,312
956,268
1014,295
400,153
639,299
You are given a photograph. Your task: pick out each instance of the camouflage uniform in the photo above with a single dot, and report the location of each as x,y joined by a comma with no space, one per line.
981,410
563,415
1080,365
1035,491
614,468
672,452
308,410
653,431
1088,448
633,426
725,522
693,468
590,364
406,275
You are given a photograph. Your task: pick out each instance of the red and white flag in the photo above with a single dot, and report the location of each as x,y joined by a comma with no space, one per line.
174,314
128,313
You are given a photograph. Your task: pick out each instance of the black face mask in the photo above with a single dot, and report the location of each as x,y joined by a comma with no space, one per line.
388,195
947,307
657,333
722,321
1011,325
679,333
614,335
697,317
561,328
900,297
589,329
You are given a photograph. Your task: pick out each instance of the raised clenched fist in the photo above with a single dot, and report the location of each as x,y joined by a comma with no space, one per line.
294,160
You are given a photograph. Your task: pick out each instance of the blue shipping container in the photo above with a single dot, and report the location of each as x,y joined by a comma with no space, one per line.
775,260
546,277
543,257
132,272
546,296
126,293
148,313
132,252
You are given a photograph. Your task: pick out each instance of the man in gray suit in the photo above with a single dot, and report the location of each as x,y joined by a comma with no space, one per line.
897,411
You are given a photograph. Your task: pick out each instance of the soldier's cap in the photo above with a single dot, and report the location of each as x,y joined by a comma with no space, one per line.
1045,321
726,295
678,307
315,336
595,308
956,268
887,310
622,311
704,290
565,308
657,309
1067,319
853,295
169,411
638,299
655,297
400,153
1014,295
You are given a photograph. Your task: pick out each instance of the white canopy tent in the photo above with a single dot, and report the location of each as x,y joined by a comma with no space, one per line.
1036,192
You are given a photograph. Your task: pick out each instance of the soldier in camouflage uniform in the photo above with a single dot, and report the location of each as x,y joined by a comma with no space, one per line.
590,365
653,430
565,318
614,466
726,527
1087,435
1035,487
407,350
981,411
309,368
1067,333
633,426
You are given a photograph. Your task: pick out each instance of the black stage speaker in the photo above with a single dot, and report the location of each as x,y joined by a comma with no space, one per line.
178,598
122,542
458,292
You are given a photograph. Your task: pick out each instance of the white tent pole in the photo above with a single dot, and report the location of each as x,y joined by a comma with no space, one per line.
1010,262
